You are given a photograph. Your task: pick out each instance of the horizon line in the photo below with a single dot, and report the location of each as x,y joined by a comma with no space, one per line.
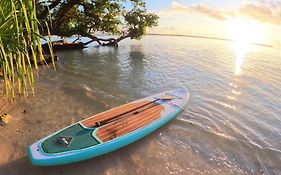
207,37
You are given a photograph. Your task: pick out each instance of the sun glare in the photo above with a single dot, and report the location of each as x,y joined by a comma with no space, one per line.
244,31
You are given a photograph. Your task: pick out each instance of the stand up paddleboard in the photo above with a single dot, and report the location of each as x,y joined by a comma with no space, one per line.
108,131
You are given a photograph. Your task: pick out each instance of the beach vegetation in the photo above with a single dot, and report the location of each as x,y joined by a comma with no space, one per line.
20,46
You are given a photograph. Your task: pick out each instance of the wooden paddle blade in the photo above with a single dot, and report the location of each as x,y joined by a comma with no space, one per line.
167,97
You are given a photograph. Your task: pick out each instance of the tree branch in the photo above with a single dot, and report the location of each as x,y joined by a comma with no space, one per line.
63,10
105,41
123,37
47,9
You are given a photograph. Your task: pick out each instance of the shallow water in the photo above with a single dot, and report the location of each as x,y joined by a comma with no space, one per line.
232,124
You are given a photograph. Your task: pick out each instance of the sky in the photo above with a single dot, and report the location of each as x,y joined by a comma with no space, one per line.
249,20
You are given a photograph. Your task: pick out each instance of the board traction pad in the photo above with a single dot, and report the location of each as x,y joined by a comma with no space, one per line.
75,137
81,138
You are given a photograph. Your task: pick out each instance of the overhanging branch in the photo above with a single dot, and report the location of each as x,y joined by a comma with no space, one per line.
105,41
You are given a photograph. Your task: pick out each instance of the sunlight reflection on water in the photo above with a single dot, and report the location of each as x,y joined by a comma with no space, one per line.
231,124
241,49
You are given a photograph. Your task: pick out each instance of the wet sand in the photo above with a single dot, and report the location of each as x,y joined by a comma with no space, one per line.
25,128
147,156
32,119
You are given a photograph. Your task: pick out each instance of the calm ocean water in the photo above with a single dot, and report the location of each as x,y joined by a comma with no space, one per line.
232,124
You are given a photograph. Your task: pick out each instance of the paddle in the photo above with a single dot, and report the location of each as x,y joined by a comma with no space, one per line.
123,115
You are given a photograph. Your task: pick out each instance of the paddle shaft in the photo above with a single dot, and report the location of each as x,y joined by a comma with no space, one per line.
117,117
104,122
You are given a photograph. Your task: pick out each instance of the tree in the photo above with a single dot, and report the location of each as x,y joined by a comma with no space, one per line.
19,44
87,17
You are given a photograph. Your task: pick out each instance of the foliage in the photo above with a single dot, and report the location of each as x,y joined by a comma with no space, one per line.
86,17
138,20
19,48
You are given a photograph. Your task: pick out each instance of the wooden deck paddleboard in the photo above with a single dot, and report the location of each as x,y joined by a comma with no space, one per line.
108,131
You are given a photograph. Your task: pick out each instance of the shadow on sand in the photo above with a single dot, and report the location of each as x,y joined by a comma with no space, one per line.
120,161
97,165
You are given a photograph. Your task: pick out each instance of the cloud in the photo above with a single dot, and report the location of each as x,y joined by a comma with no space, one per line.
266,11
200,8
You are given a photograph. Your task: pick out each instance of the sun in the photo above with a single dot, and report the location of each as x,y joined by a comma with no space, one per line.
244,30
244,33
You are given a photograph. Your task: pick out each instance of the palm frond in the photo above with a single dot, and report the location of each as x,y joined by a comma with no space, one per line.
19,44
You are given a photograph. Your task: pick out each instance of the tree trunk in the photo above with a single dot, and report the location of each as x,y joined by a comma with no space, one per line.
107,41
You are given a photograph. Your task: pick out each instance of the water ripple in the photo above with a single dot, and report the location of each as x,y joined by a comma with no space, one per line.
231,125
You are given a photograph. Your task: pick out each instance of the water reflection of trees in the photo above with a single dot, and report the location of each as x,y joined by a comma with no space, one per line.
113,75
137,61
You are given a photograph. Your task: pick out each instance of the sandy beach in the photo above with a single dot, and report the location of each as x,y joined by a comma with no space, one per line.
30,120
34,117
25,126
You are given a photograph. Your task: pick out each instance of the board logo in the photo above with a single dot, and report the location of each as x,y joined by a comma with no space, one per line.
64,140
